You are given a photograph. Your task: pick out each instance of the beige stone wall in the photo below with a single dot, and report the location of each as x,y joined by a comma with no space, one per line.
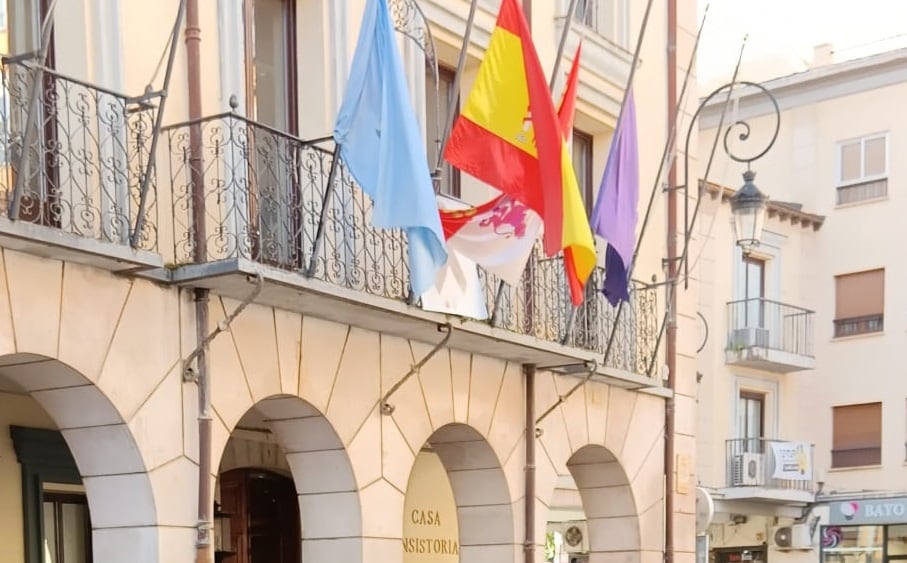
100,354
103,360
339,372
15,410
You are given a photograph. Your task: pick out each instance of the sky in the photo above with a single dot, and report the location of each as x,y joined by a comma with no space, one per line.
783,33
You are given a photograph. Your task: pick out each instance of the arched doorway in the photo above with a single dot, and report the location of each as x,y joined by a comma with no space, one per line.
85,493
480,494
285,480
593,515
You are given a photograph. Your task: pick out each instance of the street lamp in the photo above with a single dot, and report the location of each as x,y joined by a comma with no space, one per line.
748,207
748,204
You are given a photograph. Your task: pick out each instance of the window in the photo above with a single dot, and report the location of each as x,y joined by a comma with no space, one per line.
856,435
270,51
585,12
863,169
854,544
751,420
582,165
436,112
67,530
610,18
753,291
859,303
55,512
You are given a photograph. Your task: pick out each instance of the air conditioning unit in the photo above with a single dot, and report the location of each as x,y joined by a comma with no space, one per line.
750,337
796,536
747,470
575,534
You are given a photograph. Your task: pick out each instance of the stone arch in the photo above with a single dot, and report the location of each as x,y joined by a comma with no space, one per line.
481,493
105,450
608,501
329,505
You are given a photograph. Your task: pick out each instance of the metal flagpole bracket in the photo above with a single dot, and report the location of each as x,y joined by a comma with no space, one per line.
189,373
589,366
387,409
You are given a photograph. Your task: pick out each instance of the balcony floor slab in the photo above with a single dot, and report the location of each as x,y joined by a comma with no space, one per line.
49,242
767,359
234,278
767,495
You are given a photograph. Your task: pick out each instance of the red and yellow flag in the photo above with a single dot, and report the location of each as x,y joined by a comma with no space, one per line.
508,135
575,221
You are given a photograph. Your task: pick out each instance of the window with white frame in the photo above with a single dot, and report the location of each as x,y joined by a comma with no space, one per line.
862,169
610,18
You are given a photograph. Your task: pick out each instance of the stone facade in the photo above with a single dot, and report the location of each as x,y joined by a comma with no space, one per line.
95,334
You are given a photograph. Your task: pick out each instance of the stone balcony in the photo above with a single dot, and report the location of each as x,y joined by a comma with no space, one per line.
74,163
770,336
252,201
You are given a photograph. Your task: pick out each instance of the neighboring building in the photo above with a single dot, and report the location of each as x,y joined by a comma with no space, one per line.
802,420
330,403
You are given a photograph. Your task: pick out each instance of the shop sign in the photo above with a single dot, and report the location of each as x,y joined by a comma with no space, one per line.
869,511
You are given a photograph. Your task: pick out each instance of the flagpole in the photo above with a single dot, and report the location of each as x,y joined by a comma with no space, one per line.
667,155
325,202
683,255
562,44
620,116
668,145
568,25
455,87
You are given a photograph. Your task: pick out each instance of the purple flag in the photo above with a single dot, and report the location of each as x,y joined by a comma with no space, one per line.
614,216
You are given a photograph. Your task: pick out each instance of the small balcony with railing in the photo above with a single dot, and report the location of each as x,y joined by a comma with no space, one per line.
759,469
250,201
770,336
74,169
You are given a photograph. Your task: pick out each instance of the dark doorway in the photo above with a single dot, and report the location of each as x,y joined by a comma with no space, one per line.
264,513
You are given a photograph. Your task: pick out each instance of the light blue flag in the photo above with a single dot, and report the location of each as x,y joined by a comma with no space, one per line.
380,143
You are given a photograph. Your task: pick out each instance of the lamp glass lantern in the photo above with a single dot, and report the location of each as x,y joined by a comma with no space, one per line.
748,207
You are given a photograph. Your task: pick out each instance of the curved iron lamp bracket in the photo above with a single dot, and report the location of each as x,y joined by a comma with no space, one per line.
744,134
744,129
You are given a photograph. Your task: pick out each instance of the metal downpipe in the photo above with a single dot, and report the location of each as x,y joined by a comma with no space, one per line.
529,493
192,38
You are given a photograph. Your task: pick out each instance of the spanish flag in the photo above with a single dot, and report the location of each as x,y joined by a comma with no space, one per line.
508,135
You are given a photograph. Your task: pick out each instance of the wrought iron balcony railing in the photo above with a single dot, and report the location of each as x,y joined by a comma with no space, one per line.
764,323
773,464
245,190
73,156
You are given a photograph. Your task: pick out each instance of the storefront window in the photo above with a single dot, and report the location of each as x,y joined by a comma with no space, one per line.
853,544
897,541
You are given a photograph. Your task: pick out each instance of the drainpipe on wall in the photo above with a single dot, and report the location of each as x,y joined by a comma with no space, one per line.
205,502
529,373
204,553
529,496
671,288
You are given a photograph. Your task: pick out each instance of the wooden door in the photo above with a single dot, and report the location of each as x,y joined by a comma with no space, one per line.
264,516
